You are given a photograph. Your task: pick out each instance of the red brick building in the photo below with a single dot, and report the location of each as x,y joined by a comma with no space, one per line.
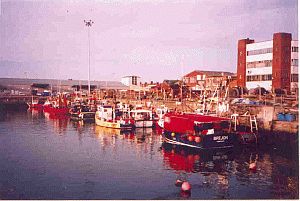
206,80
269,64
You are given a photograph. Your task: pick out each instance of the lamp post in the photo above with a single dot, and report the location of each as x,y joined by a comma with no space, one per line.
89,23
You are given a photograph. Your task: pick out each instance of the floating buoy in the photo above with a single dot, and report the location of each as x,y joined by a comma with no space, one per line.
178,182
186,186
173,134
197,139
190,158
252,166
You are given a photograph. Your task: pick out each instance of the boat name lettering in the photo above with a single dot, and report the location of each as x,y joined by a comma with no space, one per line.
220,138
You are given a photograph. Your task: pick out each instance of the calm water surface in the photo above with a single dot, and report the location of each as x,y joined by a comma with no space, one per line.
47,158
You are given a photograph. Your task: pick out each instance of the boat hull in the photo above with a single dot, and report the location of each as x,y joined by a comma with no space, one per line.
114,125
58,111
212,141
83,116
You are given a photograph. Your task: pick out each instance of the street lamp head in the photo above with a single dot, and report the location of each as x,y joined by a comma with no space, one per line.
88,22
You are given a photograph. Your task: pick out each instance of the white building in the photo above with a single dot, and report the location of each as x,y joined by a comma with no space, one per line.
132,81
270,64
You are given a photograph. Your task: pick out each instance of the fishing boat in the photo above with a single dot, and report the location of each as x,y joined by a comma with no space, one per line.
58,107
82,113
142,118
47,105
198,131
106,117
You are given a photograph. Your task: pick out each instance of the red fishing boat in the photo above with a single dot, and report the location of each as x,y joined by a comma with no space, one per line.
58,107
47,105
198,131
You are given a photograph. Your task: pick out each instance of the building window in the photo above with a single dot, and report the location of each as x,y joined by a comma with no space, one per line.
253,78
256,64
134,81
294,49
260,51
294,62
294,78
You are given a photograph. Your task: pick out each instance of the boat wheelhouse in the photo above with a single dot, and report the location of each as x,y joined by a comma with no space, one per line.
198,131
142,118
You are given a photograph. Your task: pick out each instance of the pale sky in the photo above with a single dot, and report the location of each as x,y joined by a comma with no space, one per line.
155,39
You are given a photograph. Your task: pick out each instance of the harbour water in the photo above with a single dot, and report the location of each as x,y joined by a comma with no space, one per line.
48,158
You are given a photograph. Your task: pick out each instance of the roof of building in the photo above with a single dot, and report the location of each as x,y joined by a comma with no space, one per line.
131,76
54,82
209,73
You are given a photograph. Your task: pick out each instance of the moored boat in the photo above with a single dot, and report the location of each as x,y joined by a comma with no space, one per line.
142,118
105,116
47,105
198,131
58,107
82,112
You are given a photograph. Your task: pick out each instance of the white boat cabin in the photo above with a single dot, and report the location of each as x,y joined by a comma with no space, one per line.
142,118
105,112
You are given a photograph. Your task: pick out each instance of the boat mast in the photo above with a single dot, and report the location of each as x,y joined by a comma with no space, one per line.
89,24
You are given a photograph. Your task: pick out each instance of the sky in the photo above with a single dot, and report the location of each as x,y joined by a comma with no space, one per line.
154,39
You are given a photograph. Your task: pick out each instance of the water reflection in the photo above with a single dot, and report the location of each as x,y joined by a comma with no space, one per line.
188,160
210,166
81,160
219,170
59,123
35,113
106,136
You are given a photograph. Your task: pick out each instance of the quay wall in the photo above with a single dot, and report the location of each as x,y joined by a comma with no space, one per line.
266,115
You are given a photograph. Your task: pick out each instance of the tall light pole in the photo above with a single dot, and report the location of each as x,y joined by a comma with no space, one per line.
89,23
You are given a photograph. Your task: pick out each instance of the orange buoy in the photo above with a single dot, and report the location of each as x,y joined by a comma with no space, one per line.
191,138
197,139
197,157
252,166
186,186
